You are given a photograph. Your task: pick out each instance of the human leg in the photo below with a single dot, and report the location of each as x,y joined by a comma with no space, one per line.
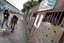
12,27
3,23
7,22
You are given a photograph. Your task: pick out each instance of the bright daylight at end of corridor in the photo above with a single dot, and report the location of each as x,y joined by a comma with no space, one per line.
31,21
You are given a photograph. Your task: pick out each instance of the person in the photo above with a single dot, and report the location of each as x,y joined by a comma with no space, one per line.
5,19
13,22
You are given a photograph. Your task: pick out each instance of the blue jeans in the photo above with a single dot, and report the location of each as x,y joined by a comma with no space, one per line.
4,20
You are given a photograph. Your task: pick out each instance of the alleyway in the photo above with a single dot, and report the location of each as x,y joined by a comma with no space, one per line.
19,36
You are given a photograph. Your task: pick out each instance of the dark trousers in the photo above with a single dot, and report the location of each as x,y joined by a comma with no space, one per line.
12,27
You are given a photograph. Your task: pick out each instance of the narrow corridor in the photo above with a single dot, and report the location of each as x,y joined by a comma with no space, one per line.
19,36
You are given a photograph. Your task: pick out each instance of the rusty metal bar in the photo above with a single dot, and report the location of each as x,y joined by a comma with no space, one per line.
50,17
59,18
53,16
56,17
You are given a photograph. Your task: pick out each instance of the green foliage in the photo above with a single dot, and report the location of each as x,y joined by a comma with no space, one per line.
32,0
35,3
39,1
28,5
23,10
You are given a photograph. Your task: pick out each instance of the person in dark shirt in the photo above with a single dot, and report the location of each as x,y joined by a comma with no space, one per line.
13,22
6,17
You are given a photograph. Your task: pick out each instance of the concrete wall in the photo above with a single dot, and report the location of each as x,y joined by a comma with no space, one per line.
6,5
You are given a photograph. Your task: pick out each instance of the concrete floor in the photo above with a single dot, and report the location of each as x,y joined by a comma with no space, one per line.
19,36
